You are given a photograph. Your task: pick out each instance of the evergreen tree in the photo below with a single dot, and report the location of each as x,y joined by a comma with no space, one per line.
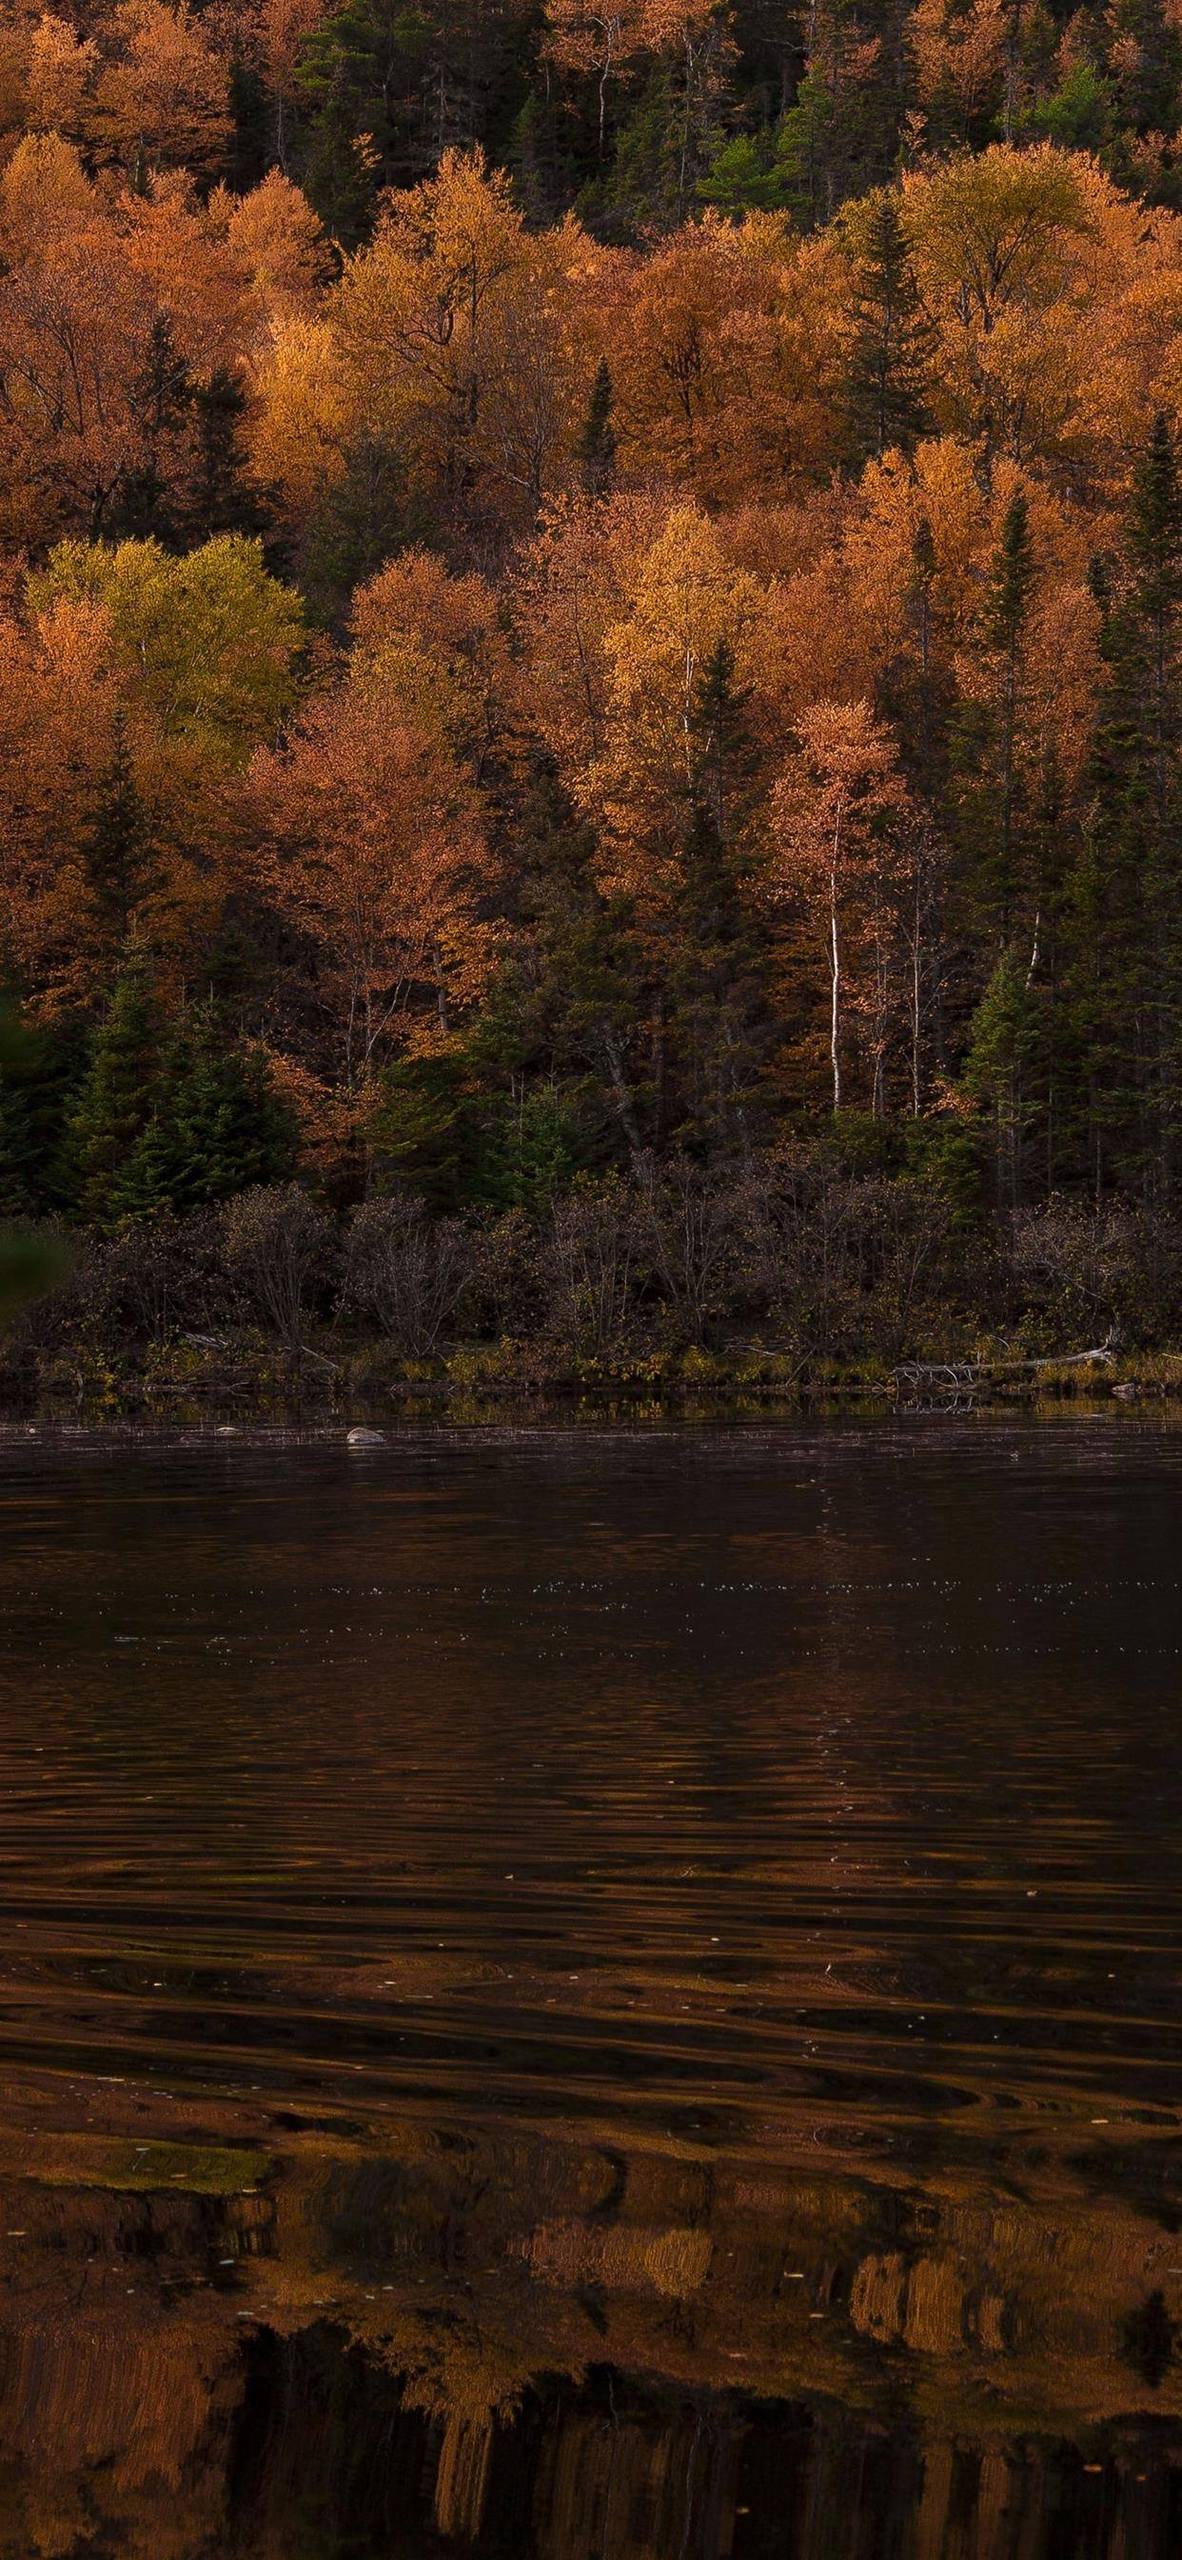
596,447
891,344
338,170
361,70
1130,887
216,1127
989,780
115,1102
1002,1051
223,500
146,503
117,847
717,983
41,1067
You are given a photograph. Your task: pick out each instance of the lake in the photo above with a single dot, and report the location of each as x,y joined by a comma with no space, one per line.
592,1995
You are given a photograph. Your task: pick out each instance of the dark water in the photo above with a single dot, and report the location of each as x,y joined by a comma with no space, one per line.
592,1997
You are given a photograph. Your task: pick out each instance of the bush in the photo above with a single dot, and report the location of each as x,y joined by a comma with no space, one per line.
1088,1273
166,1275
594,1263
507,1281
687,1222
276,1244
404,1273
844,1263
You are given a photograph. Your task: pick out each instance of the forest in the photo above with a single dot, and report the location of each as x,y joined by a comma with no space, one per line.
591,670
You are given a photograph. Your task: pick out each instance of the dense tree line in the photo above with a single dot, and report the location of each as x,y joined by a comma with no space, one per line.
646,657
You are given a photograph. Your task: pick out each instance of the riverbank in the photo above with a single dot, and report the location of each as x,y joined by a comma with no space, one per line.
245,1374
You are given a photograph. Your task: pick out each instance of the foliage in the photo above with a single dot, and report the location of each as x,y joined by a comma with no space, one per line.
544,693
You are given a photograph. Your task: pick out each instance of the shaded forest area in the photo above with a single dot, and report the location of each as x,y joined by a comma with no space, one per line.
591,670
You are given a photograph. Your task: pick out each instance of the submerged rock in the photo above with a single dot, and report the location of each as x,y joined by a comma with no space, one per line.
359,1438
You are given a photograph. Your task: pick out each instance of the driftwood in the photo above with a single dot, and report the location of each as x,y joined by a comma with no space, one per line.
963,1377
944,1377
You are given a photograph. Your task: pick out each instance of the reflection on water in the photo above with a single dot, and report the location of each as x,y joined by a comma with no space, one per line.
604,1997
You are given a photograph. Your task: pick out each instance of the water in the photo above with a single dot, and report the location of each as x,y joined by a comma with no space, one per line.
603,1996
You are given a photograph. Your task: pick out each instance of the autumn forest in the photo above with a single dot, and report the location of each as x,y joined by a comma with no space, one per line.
591,667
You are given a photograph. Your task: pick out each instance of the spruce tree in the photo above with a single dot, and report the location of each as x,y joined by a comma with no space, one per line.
1129,897
891,343
146,503
222,500
216,1127
596,449
117,847
717,982
41,1066
1002,1052
115,1102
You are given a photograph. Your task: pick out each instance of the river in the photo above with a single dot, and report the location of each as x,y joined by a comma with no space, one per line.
592,1995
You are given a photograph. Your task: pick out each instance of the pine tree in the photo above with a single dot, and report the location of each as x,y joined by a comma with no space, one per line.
1002,1051
223,500
41,1067
596,449
891,342
216,1127
163,394
117,848
339,173
1129,897
717,984
115,1102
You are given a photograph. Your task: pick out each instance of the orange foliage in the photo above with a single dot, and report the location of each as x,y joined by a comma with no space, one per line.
370,842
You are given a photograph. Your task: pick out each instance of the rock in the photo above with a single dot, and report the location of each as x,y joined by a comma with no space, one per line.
359,1438
1128,1392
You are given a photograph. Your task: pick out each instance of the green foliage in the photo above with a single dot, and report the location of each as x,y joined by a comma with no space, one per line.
114,1105
212,637
1002,1049
1079,113
717,988
216,1127
1129,893
745,176
41,1070
890,344
359,70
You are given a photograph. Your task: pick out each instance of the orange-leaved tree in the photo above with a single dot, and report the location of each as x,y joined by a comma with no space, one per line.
843,833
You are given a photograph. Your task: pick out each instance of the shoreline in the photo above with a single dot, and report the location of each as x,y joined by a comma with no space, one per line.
330,1384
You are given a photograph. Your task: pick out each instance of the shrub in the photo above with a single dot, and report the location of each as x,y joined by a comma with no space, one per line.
276,1245
687,1222
166,1275
1111,1270
594,1264
404,1273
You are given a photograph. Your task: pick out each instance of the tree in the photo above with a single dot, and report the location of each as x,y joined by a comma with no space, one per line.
1131,884
1006,619
114,1105
216,1126
163,95
117,847
890,342
1003,1050
839,815
207,641
369,843
596,448
718,968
